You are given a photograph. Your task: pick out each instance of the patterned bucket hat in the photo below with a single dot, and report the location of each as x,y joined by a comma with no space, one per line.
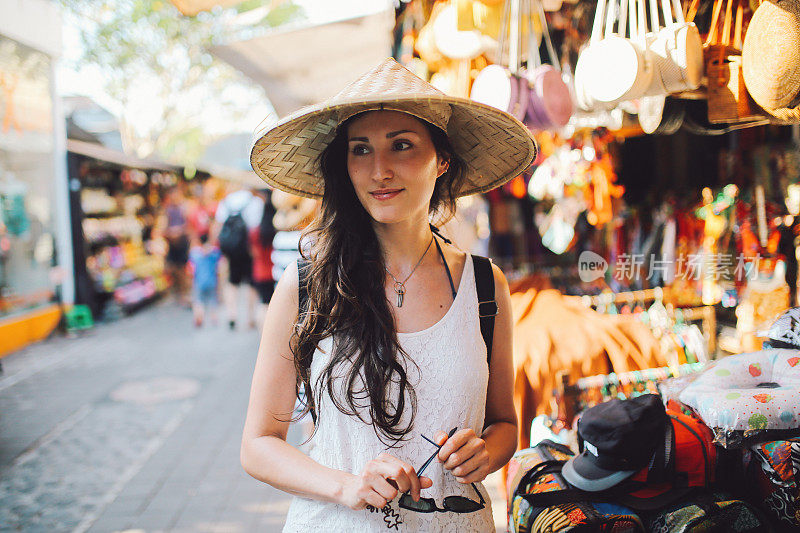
495,146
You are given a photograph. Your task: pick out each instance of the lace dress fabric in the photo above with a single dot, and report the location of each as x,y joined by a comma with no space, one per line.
449,373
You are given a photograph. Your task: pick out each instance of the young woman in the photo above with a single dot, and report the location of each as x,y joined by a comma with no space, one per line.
379,326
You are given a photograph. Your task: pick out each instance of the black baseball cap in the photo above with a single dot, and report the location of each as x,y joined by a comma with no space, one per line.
616,439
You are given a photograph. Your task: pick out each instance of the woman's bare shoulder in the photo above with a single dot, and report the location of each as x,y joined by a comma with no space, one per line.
456,257
286,295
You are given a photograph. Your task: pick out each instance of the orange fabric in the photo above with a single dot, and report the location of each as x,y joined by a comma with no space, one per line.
554,332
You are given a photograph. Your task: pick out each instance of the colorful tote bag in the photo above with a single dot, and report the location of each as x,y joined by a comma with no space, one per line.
521,463
542,474
774,478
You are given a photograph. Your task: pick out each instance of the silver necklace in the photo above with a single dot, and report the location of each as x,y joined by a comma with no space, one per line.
400,286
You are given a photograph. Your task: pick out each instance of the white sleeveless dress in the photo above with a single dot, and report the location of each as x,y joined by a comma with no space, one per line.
449,374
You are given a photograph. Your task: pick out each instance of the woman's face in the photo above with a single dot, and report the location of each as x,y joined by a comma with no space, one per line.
393,165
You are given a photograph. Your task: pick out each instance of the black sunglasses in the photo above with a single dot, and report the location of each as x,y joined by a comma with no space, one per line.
453,504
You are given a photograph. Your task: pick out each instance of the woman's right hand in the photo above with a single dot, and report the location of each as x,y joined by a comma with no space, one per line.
381,480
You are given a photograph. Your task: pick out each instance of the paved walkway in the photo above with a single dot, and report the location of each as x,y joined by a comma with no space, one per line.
134,426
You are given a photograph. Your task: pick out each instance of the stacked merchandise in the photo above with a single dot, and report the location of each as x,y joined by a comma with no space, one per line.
117,226
716,451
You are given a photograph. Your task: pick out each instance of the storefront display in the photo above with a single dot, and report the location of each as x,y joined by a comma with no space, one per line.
116,210
27,201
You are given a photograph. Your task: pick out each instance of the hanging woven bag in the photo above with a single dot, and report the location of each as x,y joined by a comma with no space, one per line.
771,58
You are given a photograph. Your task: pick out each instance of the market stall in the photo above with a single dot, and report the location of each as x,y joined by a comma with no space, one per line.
116,199
657,231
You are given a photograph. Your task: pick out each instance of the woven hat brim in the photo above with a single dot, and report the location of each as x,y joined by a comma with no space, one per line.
771,57
495,146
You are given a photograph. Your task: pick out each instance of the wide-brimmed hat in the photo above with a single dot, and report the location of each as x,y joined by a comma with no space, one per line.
771,58
495,146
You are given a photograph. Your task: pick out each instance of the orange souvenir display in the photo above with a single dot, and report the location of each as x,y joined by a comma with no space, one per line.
602,190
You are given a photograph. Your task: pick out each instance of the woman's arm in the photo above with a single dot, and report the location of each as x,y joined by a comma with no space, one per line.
267,456
472,457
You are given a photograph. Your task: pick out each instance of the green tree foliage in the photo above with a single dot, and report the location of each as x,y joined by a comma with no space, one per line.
153,57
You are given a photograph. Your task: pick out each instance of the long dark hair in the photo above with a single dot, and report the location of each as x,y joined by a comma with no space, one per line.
346,299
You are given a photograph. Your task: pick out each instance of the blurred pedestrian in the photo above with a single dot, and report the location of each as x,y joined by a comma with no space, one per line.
175,233
201,214
205,259
261,251
237,213
381,323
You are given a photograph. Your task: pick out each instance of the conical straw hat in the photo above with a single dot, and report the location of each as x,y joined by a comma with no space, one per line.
771,58
495,146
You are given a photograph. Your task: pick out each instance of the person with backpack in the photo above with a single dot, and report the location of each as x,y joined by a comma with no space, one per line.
236,214
401,341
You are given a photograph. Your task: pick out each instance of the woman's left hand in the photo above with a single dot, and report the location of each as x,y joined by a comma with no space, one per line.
465,455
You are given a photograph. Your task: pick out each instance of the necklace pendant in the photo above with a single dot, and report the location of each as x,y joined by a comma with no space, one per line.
401,291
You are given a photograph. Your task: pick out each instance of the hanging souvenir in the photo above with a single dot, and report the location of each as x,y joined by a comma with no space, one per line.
456,44
601,192
550,102
425,44
621,67
585,67
557,233
728,99
770,60
497,85
676,50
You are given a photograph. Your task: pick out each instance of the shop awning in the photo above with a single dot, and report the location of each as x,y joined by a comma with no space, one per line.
247,178
109,155
305,66
243,177
228,158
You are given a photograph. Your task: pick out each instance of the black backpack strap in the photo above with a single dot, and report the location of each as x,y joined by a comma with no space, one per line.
487,306
550,466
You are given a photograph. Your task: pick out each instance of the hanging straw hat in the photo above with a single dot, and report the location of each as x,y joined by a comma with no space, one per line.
771,58
495,146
